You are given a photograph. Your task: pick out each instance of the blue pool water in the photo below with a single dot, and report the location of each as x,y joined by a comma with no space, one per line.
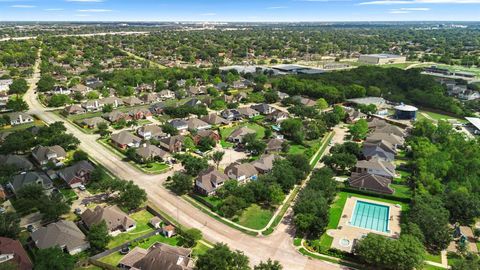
371,216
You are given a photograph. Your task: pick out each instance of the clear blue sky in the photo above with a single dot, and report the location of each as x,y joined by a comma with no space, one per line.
239,10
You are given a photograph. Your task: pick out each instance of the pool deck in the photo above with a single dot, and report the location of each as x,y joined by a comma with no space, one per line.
345,231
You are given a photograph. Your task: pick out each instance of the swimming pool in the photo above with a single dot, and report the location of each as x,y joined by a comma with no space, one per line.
371,216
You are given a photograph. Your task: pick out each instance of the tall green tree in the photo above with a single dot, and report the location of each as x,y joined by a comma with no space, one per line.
53,259
220,257
98,236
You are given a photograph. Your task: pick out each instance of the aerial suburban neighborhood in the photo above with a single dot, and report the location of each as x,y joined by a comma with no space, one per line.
237,145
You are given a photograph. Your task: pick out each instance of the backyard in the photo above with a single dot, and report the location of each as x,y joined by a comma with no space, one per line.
143,227
225,132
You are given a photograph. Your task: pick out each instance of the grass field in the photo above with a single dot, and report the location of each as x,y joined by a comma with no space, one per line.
433,258
255,217
438,116
155,167
401,191
142,218
37,123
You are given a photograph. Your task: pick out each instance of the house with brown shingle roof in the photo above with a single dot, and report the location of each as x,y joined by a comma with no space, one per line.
265,163
117,221
45,154
242,172
274,145
159,256
391,129
151,131
74,109
197,124
150,152
76,174
370,182
376,166
13,252
125,139
214,119
172,144
248,112
209,181
237,135
389,137
64,234
132,101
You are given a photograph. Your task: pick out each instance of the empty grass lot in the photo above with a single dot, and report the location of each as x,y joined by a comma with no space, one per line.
255,217
142,218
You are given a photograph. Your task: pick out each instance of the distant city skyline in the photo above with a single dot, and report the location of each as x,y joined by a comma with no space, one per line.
238,11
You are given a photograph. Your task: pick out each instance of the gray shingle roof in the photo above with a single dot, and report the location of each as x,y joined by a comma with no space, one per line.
62,233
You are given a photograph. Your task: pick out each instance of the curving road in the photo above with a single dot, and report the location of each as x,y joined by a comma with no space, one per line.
278,245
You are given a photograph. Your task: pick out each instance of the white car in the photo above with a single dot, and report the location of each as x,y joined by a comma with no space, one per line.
82,188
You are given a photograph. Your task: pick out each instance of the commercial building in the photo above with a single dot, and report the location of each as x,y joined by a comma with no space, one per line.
381,59
406,112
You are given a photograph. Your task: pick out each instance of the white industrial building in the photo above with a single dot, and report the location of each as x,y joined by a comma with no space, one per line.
381,59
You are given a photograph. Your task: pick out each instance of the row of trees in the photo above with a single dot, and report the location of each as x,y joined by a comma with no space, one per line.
396,85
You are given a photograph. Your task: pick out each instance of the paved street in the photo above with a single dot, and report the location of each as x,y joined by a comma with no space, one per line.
278,246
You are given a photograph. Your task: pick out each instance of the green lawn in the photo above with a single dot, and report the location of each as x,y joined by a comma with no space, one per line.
401,191
112,259
225,132
155,167
199,249
296,149
255,217
146,243
213,200
37,123
69,194
438,116
226,144
433,258
142,218
403,175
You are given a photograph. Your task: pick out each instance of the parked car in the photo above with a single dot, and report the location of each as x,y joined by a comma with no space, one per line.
82,188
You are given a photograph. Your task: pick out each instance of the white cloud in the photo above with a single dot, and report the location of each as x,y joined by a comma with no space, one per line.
82,15
208,14
53,9
398,12
277,7
94,10
407,2
22,6
413,9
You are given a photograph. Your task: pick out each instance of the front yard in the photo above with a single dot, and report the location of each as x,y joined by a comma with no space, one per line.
225,132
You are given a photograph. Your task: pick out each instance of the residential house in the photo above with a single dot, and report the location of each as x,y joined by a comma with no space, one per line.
166,94
172,144
60,90
248,112
263,108
370,182
151,152
214,119
393,139
196,90
209,181
93,83
76,174
80,88
206,134
197,124
237,135
375,166
156,222
125,139
278,116
12,251
354,115
21,163
74,109
221,86
194,102
159,256
30,178
180,124
116,116
391,129
92,105
140,113
45,154
144,87
242,172
381,149
242,84
151,132
274,145
374,123
114,101
132,101
64,234
117,221
150,98
231,114
19,118
5,84
265,163
92,122
307,102
282,95
158,108
181,83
